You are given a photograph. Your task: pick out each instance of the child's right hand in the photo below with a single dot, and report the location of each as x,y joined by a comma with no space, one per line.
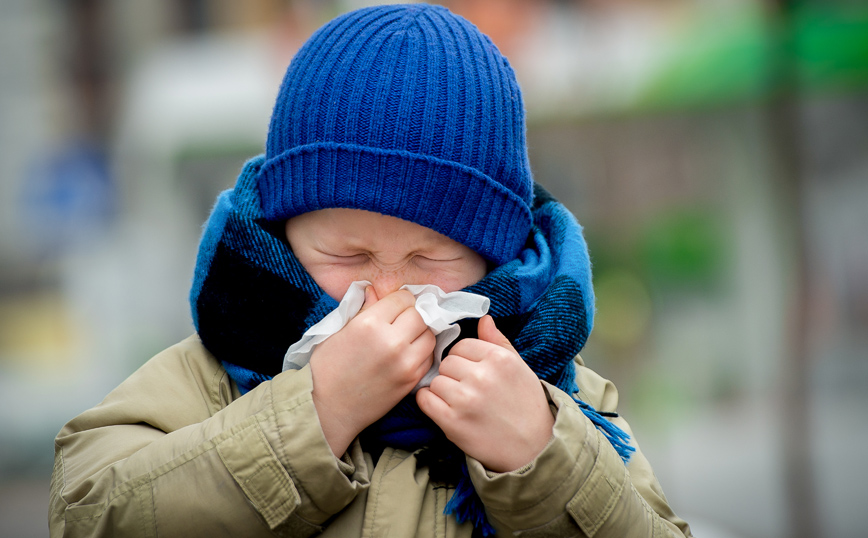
366,368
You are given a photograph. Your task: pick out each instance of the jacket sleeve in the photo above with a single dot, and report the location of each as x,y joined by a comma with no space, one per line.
578,485
169,453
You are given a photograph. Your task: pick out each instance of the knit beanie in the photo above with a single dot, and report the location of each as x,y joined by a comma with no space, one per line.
409,111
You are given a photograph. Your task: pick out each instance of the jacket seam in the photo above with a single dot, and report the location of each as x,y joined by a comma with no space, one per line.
269,511
285,460
146,506
376,497
280,429
62,475
124,489
214,395
597,482
59,466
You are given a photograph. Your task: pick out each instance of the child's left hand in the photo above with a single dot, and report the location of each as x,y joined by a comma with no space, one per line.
489,402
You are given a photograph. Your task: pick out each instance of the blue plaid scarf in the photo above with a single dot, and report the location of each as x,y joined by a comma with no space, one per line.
251,299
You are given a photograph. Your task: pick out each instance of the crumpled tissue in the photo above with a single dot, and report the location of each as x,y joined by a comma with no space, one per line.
439,310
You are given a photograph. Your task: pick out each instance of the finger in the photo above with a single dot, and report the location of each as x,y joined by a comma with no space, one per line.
370,298
456,367
488,332
423,349
433,406
473,349
453,392
410,322
425,341
386,308
446,388
392,305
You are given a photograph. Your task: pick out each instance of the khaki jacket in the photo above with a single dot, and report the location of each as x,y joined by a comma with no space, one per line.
175,450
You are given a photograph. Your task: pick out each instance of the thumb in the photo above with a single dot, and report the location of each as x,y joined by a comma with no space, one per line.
488,332
370,298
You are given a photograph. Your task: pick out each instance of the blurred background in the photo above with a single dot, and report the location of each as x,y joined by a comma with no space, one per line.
716,152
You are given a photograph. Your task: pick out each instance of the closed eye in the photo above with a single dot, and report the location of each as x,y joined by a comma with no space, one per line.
430,259
427,261
348,258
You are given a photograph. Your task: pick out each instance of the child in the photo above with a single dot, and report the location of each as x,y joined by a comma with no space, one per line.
395,155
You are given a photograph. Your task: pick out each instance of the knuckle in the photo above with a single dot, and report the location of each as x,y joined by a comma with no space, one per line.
480,377
366,323
392,347
469,398
409,377
499,356
471,401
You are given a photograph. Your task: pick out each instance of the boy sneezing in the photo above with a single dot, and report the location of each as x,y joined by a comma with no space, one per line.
395,157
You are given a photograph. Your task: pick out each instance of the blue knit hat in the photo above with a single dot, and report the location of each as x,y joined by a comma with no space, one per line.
409,111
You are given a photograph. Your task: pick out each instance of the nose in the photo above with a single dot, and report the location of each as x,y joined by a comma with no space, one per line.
386,282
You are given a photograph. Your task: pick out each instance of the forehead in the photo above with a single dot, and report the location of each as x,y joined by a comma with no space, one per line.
360,228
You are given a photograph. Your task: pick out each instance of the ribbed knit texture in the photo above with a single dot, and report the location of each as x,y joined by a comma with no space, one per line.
409,111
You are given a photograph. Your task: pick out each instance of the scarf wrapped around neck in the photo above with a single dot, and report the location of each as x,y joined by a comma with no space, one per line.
251,299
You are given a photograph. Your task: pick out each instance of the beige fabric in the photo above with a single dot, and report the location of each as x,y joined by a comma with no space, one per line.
176,451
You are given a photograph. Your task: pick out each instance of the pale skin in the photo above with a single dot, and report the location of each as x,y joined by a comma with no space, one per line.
486,399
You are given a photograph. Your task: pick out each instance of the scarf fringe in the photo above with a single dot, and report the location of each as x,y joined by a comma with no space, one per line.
618,438
466,505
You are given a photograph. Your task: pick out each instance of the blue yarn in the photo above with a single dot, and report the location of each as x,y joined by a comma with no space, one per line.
208,245
466,505
409,111
246,379
617,437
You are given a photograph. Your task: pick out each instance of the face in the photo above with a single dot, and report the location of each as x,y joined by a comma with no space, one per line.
338,246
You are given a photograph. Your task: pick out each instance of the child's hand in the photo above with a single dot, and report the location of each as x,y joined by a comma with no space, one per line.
489,402
366,368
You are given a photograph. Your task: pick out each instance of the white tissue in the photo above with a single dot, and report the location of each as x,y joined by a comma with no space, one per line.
439,310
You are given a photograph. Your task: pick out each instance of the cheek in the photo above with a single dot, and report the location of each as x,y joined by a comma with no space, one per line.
472,271
333,280
457,278
477,271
